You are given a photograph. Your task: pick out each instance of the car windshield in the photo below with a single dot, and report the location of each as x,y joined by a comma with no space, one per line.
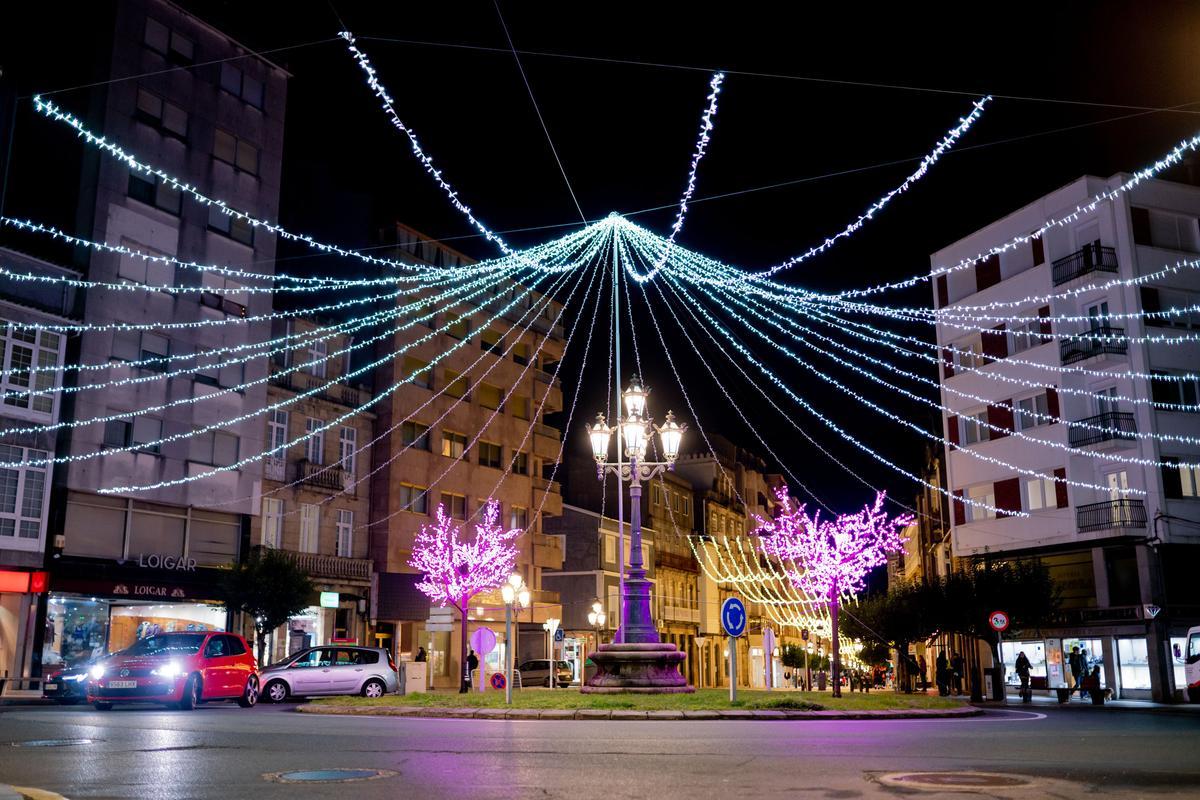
166,644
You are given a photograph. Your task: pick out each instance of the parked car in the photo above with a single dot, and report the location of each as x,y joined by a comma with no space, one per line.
66,685
537,673
181,669
331,669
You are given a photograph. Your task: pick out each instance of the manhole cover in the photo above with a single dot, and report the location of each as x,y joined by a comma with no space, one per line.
52,742
954,780
328,775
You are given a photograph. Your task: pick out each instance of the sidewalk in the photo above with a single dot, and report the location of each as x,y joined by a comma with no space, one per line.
1044,702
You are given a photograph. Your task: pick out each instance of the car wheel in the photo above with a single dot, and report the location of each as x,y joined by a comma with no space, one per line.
191,694
374,688
249,697
276,692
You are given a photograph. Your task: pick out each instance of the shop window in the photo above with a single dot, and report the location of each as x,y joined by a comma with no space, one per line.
22,494
154,191
28,359
1134,663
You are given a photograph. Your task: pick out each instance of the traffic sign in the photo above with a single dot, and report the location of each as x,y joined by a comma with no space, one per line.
999,621
483,641
733,617
804,634
498,681
559,635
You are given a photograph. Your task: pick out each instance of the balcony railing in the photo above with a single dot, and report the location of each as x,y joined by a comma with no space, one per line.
1100,340
324,476
542,484
547,431
1111,514
323,566
1090,258
333,392
275,468
1116,425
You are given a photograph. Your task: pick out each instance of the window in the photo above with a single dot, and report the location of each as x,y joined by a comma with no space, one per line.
348,450
277,435
317,352
224,294
490,396
1040,493
610,549
1098,315
227,377
520,407
1026,334
272,522
985,494
415,435
1164,229
165,117
414,499
518,517
153,191
489,342
418,372
217,448
237,228
1168,391
456,384
969,353
236,152
455,505
1032,412
150,350
520,354
21,350
520,465
1179,480
141,433
310,527
345,533
177,48
457,326
235,81
22,493
489,455
975,428
314,450
454,445
145,266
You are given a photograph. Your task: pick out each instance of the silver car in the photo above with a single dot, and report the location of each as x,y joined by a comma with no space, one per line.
331,669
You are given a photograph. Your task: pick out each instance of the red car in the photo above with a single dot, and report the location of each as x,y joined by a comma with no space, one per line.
180,669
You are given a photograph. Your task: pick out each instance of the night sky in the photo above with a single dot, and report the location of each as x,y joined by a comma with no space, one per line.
625,132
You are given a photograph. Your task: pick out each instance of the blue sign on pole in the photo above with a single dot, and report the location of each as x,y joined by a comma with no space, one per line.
559,635
733,616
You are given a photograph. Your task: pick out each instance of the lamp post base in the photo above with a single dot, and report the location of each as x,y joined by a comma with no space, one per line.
637,668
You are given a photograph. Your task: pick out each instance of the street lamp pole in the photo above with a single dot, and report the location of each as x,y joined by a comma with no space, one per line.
516,595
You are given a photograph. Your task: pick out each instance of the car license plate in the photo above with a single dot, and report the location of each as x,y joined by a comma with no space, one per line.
122,684
51,687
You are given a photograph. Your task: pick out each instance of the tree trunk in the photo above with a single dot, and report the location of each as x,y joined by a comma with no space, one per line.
462,651
837,645
262,647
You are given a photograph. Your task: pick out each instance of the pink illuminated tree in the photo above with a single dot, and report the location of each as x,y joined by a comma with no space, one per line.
829,558
457,570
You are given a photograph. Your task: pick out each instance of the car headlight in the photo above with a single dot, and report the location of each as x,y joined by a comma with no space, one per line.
97,671
170,670
80,677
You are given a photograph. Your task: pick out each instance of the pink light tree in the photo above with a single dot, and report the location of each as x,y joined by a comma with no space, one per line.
830,558
456,570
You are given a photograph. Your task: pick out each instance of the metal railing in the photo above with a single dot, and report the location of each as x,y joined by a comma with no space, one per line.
1090,258
1102,339
324,476
338,393
1123,513
1115,424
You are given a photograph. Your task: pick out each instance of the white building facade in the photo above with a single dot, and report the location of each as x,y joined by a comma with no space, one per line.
1053,381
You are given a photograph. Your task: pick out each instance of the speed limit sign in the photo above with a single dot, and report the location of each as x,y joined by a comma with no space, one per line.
999,621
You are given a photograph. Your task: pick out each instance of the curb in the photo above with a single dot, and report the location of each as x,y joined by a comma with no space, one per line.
625,715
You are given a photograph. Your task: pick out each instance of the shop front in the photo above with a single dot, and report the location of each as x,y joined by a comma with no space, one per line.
20,592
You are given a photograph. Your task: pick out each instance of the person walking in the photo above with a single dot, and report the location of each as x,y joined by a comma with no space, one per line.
958,669
924,672
1023,668
472,665
1078,664
942,674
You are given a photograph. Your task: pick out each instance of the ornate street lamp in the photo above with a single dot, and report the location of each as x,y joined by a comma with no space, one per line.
516,596
629,663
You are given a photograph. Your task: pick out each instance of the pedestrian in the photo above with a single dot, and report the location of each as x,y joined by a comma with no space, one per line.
472,665
1078,665
1023,667
1091,685
942,674
420,655
924,668
958,669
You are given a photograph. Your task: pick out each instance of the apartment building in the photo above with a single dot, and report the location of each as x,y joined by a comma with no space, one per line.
203,108
464,421
1119,535
315,494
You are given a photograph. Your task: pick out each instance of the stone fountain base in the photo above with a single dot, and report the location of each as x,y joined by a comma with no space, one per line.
637,668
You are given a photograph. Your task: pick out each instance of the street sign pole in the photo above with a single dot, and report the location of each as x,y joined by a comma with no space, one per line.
733,620
732,669
508,653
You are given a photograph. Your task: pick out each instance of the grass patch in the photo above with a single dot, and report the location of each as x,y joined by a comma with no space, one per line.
701,700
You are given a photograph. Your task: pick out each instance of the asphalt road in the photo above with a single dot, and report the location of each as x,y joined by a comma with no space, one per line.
224,752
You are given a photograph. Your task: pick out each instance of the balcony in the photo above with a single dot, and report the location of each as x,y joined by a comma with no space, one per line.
333,567
275,468
1102,340
1118,427
1111,515
338,393
323,476
680,614
1090,258
544,485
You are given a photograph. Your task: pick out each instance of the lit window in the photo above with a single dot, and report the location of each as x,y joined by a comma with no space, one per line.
454,445
1040,493
985,496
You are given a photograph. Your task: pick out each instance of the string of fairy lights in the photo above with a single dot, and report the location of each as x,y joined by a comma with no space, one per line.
740,320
